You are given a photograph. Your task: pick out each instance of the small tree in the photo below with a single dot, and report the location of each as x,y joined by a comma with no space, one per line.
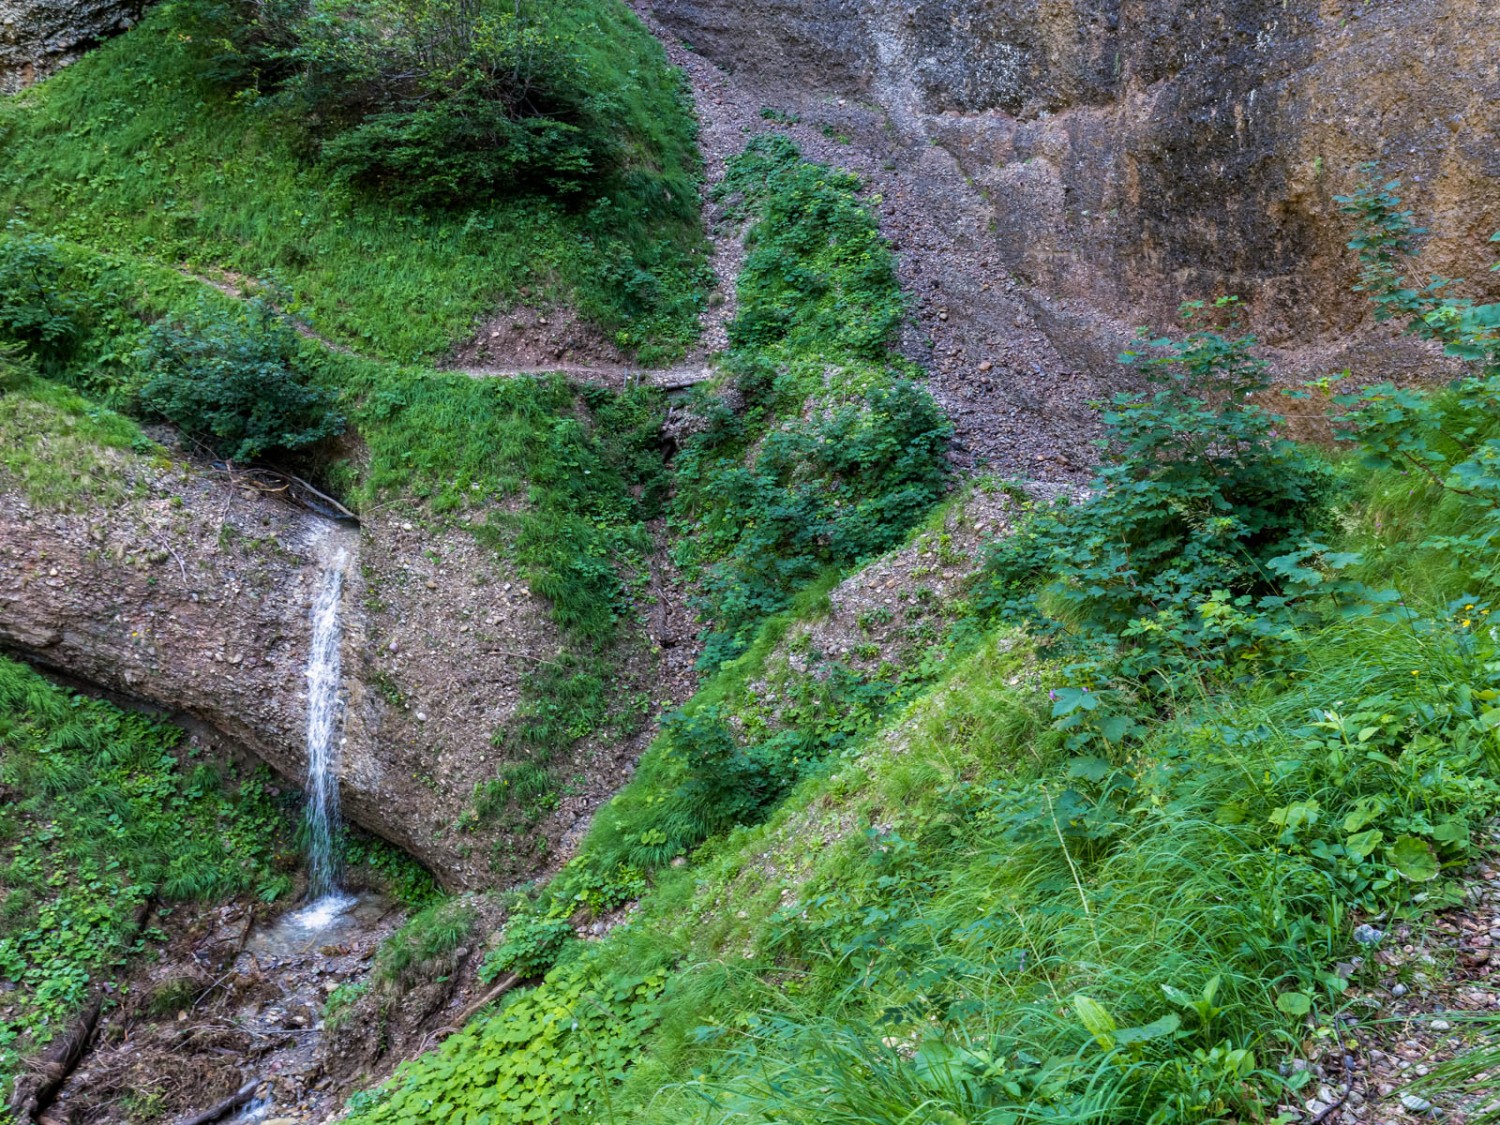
1197,501
232,379
36,310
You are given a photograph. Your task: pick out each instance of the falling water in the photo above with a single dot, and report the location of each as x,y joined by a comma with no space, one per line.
323,683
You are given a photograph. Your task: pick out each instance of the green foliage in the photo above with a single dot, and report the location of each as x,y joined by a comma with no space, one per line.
392,870
140,151
552,1054
448,102
531,946
100,815
835,453
424,947
232,378
1011,909
1385,240
1442,449
1177,562
35,309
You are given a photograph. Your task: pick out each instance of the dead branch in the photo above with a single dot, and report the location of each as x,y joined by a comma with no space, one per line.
233,1102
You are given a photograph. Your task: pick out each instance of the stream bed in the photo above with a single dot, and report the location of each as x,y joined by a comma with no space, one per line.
236,994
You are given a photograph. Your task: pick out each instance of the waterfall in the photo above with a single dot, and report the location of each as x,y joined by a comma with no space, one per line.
323,703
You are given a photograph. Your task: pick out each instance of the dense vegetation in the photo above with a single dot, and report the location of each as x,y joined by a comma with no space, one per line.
829,452
102,816
442,103
1102,867
156,150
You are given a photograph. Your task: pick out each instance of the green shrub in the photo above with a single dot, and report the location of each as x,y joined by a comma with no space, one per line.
232,378
36,309
1177,559
443,103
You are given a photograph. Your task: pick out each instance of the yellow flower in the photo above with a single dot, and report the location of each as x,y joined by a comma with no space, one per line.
1466,623
1416,671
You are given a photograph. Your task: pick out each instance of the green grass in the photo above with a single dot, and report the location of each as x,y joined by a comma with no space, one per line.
100,814
932,931
130,151
60,450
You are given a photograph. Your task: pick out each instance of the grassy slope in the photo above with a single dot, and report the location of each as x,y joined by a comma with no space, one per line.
908,937
128,151
135,167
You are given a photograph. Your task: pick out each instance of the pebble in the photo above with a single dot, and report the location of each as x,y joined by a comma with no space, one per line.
1367,934
1415,1104
1399,990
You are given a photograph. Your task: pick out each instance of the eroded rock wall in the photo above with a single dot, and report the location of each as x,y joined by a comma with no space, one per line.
1129,154
190,593
38,37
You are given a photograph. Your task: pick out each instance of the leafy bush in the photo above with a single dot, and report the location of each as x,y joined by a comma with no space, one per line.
36,309
530,947
233,378
1193,521
441,103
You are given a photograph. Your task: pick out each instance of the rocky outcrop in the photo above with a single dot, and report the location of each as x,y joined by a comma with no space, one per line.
1128,155
190,593
38,37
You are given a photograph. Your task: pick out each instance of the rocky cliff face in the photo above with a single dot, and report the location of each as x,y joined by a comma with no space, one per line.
38,37
192,594
1128,154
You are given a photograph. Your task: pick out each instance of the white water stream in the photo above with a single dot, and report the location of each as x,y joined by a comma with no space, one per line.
324,711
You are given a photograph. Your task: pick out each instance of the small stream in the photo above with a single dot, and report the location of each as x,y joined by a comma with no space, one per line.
324,712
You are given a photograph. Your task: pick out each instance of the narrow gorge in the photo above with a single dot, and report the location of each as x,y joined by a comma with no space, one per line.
569,562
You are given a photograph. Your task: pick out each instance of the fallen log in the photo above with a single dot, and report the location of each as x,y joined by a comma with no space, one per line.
227,1106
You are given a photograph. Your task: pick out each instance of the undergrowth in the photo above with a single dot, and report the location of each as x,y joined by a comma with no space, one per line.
1109,864
823,450
100,815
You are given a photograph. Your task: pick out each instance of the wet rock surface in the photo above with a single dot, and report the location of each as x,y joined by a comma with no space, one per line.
231,998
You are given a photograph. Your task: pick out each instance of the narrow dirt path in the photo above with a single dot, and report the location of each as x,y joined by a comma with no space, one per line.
613,376
1018,407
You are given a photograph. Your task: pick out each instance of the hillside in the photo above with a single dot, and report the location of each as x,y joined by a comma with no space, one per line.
544,580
